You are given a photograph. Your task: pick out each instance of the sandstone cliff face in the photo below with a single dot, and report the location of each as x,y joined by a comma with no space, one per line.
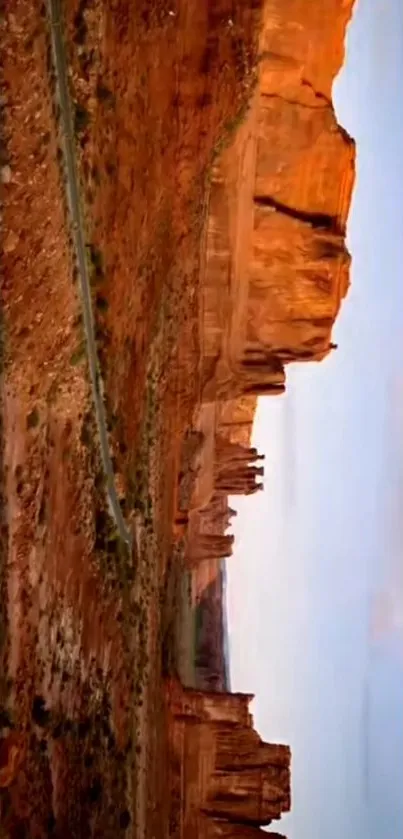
235,782
303,40
276,267
309,263
276,264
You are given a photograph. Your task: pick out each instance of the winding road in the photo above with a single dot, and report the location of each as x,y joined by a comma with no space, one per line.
73,196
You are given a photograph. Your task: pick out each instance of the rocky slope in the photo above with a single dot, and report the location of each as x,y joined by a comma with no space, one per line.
82,633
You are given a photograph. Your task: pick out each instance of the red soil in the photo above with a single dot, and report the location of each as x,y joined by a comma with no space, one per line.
82,629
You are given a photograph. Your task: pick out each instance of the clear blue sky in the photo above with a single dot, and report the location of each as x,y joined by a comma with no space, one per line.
315,589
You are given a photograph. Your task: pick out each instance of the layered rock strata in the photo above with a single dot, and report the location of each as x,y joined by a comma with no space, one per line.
234,782
277,267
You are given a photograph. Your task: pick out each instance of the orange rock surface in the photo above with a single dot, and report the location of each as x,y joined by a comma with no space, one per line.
277,267
235,782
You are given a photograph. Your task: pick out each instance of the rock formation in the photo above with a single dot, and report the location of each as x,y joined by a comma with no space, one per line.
233,453
276,268
239,480
235,782
273,272
211,546
218,514
233,471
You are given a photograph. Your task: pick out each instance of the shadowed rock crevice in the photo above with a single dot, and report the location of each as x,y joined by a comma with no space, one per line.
318,221
324,102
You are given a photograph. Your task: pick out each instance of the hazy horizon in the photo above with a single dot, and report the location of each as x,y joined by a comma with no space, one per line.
315,588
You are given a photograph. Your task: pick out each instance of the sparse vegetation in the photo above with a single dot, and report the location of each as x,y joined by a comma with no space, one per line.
105,95
230,128
80,26
81,119
33,418
101,303
97,273
78,355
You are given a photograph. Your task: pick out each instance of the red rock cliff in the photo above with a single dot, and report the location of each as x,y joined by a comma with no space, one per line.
276,267
234,781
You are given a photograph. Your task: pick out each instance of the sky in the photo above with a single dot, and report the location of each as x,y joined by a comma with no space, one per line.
315,587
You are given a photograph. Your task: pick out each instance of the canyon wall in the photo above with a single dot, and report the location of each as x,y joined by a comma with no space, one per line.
276,267
234,782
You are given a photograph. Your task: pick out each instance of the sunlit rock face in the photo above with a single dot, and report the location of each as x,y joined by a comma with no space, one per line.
236,782
277,267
